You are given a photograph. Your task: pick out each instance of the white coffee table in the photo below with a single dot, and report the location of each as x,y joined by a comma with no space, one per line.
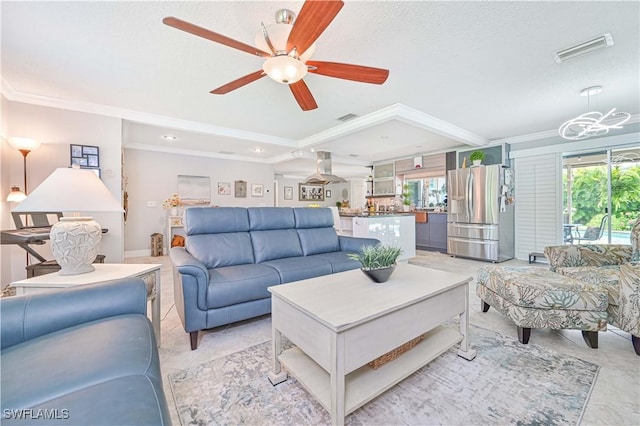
341,322
103,272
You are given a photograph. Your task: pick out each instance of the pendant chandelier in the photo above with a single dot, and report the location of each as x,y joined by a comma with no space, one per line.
593,123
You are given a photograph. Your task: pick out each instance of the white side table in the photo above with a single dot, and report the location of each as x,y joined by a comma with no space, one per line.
150,273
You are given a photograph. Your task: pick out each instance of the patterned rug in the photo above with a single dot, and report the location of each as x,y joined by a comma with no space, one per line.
507,383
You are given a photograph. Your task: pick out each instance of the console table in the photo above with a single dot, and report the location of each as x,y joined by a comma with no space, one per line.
150,273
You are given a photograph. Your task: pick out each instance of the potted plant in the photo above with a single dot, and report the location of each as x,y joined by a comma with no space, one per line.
378,261
476,157
406,197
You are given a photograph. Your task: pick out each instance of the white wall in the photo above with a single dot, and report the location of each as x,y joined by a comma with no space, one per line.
153,177
56,129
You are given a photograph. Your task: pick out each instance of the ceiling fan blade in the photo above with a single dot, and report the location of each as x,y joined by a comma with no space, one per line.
303,95
236,84
210,35
313,19
349,71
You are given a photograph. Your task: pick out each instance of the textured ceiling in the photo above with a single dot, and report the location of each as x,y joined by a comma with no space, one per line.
485,69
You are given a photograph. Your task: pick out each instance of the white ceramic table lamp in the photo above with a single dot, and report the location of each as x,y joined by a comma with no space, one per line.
74,239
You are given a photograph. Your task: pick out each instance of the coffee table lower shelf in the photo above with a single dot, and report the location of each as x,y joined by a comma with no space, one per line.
365,383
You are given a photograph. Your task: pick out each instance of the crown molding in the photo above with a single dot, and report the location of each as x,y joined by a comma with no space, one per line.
396,112
171,150
142,117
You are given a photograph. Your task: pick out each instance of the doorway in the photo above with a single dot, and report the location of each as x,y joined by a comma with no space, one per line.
601,195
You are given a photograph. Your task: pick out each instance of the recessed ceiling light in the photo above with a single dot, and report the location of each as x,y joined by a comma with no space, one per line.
169,138
257,149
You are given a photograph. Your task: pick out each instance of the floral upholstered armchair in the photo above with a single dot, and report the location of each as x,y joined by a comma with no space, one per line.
615,267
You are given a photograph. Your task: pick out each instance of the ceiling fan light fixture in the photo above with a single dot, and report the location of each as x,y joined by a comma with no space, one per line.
284,69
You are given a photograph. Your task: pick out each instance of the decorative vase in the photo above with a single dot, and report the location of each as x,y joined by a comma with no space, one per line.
379,275
477,162
74,242
173,211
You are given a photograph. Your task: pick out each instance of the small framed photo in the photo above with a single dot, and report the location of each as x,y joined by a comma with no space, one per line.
93,161
327,193
288,192
224,188
257,189
310,192
240,189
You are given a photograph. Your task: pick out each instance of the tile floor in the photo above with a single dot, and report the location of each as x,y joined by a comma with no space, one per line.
615,399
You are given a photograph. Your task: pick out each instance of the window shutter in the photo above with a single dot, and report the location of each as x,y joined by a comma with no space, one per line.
538,206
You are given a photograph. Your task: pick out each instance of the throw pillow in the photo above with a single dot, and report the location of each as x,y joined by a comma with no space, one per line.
177,241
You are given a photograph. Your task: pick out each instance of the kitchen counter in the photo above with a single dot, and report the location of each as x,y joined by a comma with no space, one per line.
376,214
396,229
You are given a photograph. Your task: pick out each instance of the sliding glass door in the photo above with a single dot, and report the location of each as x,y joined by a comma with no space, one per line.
601,196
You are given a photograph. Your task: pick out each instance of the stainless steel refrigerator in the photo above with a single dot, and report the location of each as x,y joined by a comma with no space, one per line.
480,217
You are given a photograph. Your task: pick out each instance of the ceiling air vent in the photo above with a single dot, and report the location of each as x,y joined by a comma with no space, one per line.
347,117
605,40
226,152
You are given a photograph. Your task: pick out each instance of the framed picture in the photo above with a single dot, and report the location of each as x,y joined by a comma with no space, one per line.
85,155
224,188
257,189
310,192
240,189
194,190
327,193
288,192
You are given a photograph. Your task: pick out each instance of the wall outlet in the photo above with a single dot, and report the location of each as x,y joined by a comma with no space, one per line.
152,204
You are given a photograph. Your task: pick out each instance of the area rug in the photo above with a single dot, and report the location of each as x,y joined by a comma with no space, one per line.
507,383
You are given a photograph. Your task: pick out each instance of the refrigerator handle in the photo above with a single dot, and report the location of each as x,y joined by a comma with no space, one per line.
470,196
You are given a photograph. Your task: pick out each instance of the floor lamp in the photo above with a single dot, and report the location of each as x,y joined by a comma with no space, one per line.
25,146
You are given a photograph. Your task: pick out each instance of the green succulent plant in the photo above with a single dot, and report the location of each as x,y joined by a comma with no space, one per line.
377,256
476,155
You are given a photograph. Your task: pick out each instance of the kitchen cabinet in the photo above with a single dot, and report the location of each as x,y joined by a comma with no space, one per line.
384,179
432,235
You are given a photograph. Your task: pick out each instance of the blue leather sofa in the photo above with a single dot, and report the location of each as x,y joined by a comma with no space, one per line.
84,355
233,254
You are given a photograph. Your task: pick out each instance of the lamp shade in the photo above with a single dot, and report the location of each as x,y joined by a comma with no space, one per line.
15,196
26,144
70,190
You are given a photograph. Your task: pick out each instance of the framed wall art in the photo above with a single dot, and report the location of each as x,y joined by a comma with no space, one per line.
85,155
224,188
310,192
257,190
240,189
288,192
194,190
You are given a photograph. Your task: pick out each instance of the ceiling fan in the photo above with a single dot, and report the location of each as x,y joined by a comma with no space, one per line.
287,47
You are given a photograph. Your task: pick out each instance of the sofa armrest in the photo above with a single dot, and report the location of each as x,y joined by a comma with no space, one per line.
186,264
587,255
26,317
629,303
355,243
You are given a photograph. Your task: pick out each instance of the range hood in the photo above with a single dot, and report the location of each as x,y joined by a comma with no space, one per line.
323,174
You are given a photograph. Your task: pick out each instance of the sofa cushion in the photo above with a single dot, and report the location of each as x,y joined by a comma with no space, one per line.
215,220
310,217
267,218
339,261
216,250
240,283
606,277
276,244
318,240
299,268
76,358
134,396
533,287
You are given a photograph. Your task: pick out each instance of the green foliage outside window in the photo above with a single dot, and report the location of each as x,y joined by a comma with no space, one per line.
589,196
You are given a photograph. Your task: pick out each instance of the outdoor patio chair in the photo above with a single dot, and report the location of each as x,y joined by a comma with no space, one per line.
593,233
